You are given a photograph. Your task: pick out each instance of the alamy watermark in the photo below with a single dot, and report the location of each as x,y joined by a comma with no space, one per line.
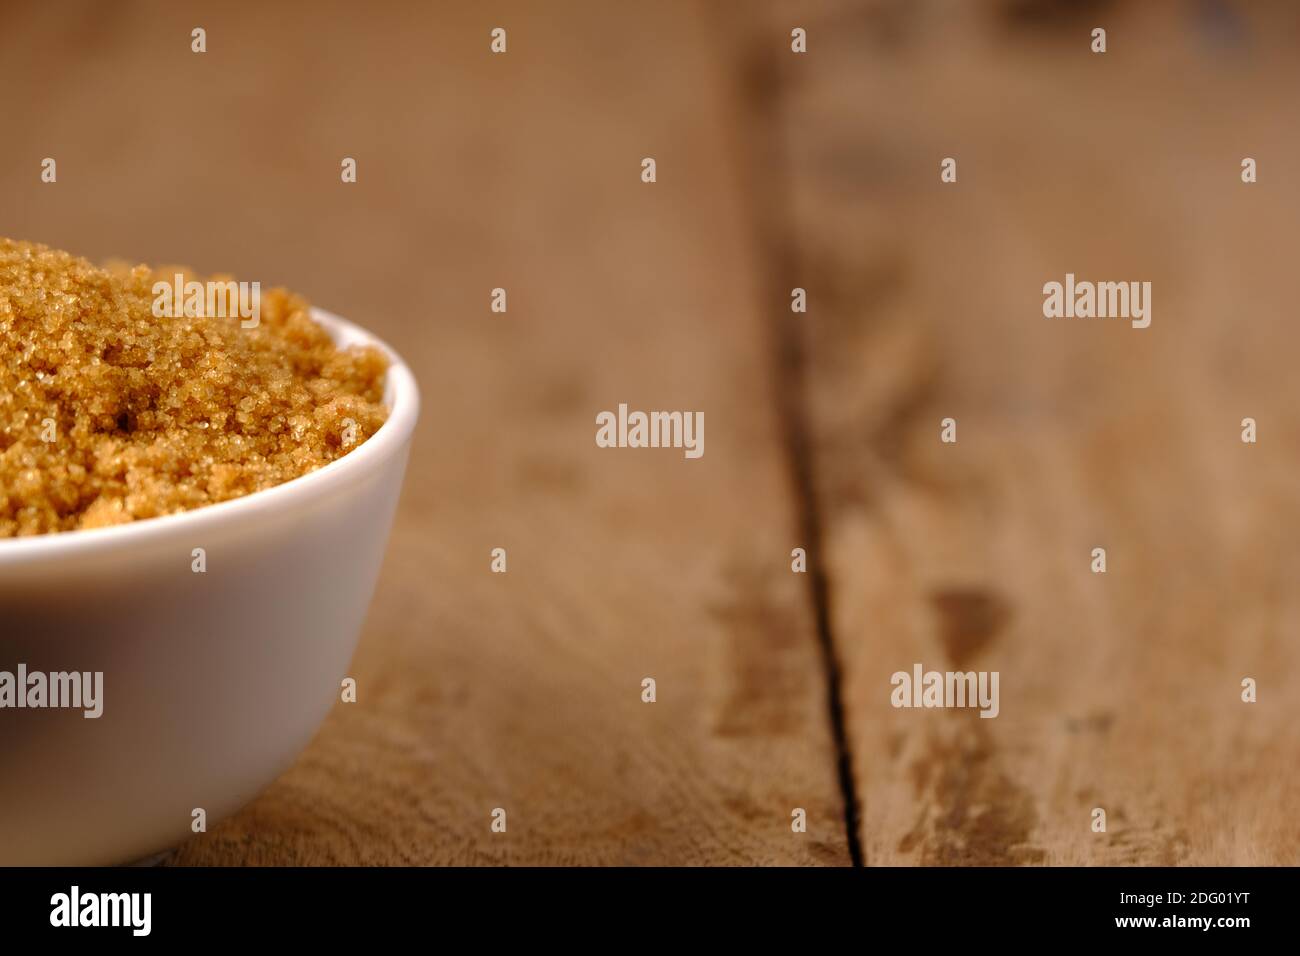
626,429
922,688
1100,300
130,910
214,298
72,690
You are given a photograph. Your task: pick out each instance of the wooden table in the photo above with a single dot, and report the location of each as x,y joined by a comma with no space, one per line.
523,691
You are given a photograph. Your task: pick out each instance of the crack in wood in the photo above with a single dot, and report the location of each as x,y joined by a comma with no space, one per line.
763,161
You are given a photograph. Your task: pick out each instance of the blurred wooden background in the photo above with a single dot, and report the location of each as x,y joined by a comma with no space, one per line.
522,690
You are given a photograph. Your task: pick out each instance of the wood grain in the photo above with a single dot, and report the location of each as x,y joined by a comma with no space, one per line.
479,690
1122,690
522,690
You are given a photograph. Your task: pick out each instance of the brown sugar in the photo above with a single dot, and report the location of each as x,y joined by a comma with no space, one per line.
111,413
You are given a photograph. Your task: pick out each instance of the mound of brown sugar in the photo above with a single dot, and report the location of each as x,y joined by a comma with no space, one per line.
109,413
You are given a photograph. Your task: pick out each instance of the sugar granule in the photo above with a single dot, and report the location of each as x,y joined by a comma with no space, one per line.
109,414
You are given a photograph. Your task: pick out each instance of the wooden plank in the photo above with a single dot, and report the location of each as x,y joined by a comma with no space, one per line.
1119,691
479,690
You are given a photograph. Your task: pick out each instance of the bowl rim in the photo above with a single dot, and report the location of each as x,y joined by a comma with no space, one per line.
402,396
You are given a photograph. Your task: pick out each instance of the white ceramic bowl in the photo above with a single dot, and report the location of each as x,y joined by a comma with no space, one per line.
214,682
